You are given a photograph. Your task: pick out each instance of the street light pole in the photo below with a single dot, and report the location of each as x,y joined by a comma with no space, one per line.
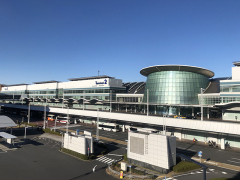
83,98
44,119
63,100
147,101
67,119
29,112
97,133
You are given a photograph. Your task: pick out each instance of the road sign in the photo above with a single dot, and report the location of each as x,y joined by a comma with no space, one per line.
200,153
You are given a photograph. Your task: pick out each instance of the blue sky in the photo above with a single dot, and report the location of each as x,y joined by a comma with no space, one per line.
44,40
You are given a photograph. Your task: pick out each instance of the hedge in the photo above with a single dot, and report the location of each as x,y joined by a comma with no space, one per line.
135,171
30,124
48,130
184,166
76,154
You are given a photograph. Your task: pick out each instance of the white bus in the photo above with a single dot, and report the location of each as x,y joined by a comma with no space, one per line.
108,127
148,130
64,120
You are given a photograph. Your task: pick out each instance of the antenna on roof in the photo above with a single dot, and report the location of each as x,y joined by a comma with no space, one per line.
98,72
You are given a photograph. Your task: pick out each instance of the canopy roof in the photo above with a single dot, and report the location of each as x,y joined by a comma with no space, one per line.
6,122
158,68
6,135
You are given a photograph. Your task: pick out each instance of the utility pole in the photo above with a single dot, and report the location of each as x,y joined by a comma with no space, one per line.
29,112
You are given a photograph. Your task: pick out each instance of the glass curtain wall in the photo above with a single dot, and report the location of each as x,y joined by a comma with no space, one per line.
174,87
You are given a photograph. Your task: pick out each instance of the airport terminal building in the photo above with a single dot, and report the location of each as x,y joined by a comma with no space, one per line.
170,90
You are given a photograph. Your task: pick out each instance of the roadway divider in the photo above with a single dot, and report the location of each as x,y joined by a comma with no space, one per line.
218,164
101,137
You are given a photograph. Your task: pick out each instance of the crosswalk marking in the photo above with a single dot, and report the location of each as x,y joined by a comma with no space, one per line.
105,159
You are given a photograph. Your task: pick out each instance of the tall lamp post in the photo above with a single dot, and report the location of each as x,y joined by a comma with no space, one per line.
97,133
45,114
29,112
67,119
63,100
83,98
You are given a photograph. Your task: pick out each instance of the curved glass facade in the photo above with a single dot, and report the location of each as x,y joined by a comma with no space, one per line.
174,87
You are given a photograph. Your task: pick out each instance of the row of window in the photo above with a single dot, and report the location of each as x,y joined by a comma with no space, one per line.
231,88
66,91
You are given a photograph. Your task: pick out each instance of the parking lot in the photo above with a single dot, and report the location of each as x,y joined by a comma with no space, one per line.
40,158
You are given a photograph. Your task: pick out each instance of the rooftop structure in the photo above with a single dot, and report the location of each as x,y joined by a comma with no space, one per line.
158,68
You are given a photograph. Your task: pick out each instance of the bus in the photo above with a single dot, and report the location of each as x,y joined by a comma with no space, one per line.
108,127
64,120
148,130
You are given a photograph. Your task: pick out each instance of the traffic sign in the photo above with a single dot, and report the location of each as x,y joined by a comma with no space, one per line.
200,153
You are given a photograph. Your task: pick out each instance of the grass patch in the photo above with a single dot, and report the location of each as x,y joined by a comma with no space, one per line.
184,166
76,154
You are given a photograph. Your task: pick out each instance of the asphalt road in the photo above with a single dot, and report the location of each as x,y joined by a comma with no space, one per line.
187,148
41,159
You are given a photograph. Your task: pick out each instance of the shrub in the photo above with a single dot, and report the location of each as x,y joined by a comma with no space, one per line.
76,154
135,171
104,152
92,156
184,166
48,130
29,124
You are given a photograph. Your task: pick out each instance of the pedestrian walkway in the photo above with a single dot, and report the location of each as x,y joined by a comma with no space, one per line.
105,160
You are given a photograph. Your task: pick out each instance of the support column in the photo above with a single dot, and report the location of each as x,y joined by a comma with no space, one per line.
123,128
144,109
179,111
193,111
126,108
156,109
135,108
208,112
222,143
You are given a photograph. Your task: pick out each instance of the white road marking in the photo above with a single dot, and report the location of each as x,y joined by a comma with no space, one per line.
236,158
233,161
224,172
211,169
